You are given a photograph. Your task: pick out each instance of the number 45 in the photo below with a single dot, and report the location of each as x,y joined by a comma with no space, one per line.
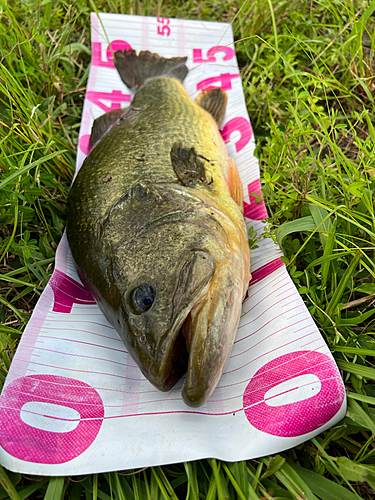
163,28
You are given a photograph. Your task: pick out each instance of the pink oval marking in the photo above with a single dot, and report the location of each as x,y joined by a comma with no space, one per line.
256,209
84,144
298,418
198,58
240,125
67,292
47,447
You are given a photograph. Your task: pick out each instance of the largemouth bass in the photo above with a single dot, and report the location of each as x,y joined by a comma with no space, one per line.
156,227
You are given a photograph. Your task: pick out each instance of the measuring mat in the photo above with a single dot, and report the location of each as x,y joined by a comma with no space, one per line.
75,402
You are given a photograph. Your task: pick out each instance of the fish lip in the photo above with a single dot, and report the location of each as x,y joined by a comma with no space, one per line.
211,346
169,368
195,277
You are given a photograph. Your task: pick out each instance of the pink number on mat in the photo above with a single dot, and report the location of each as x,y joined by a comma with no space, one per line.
67,292
256,209
240,125
116,97
228,54
301,417
97,53
225,80
163,28
40,446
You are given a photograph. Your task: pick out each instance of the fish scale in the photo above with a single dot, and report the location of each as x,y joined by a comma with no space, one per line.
151,215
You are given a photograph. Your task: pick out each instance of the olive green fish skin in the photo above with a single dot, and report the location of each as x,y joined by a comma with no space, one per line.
131,222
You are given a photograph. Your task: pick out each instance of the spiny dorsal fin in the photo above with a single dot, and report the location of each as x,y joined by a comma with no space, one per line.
102,124
135,69
214,101
187,165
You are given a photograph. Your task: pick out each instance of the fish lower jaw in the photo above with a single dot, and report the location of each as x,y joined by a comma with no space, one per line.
166,371
195,399
194,395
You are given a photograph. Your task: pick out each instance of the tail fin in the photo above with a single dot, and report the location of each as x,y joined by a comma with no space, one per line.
135,69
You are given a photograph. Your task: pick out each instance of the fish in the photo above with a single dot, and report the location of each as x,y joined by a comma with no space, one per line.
156,228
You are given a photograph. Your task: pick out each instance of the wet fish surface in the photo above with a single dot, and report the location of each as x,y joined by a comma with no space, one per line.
156,228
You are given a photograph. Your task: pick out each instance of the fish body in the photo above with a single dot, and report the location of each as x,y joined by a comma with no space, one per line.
159,239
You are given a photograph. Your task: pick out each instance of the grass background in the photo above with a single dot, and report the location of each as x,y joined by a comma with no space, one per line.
308,72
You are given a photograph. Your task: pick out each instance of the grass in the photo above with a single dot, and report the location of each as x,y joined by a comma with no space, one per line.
308,73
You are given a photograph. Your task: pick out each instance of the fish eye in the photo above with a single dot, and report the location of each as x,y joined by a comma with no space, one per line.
143,297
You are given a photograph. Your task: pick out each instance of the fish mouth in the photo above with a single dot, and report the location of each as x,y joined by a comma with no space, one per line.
200,338
210,336
171,358
173,361
177,359
201,346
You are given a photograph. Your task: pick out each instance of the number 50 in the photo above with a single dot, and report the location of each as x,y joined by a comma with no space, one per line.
163,28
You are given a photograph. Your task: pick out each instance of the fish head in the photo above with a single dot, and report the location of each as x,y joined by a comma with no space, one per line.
155,308
181,287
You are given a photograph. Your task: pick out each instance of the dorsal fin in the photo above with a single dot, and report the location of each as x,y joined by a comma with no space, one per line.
135,69
214,101
102,124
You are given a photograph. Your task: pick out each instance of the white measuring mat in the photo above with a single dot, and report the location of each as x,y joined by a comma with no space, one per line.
75,402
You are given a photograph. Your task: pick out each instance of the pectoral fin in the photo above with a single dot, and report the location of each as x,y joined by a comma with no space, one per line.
235,183
187,165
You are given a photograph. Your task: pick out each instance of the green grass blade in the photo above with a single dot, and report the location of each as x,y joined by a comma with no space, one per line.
27,168
166,483
323,487
26,492
356,369
193,486
219,485
164,492
321,219
358,415
55,488
361,397
86,484
295,226
353,350
327,258
342,284
234,483
7,484
356,320
211,494
328,249
76,492
290,480
95,487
